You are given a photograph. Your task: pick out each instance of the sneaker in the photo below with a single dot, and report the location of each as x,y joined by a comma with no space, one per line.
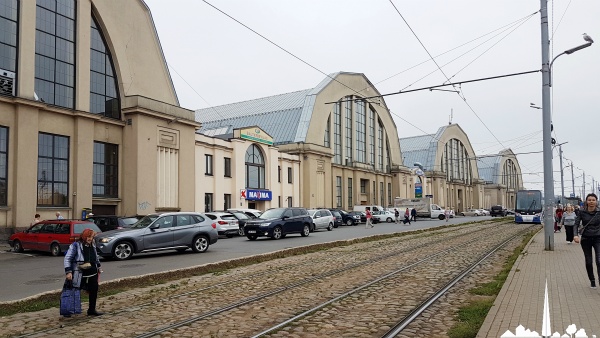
593,284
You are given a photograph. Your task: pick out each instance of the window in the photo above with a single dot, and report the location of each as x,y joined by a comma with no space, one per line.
349,193
290,204
455,162
184,220
3,165
381,194
48,228
326,142
349,129
363,186
290,175
338,191
227,165
372,136
209,165
53,170
337,134
226,201
374,196
279,201
105,181
361,123
279,173
164,222
389,194
8,38
55,52
104,97
255,168
208,202
380,145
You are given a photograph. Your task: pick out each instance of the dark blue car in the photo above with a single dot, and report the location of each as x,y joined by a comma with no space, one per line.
279,222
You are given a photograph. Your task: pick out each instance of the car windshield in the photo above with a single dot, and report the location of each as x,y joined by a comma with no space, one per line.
79,227
145,221
241,215
129,220
335,213
312,212
272,213
228,217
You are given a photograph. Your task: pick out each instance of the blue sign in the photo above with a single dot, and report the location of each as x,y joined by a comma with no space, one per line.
259,195
418,190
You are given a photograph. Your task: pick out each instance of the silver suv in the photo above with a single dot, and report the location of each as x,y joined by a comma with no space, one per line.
169,231
227,224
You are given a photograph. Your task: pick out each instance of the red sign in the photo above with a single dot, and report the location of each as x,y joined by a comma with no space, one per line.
243,193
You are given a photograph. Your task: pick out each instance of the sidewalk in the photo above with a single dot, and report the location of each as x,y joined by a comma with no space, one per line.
521,300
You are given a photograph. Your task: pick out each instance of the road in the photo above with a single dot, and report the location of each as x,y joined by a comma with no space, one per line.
32,273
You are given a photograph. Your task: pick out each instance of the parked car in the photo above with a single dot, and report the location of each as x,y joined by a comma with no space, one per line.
242,219
279,222
52,236
322,219
471,212
227,224
111,222
347,218
484,212
169,231
386,216
498,210
252,213
337,218
362,216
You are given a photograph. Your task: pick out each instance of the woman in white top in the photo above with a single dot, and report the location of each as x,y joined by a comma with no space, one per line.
568,221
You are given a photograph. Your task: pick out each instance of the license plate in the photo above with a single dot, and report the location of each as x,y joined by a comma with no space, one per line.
251,231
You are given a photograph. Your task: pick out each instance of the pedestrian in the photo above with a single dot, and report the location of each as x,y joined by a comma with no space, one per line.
36,219
588,234
447,214
568,220
369,222
397,215
58,215
413,214
557,218
407,216
82,266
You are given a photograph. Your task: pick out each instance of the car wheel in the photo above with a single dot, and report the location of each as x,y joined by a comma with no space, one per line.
441,217
277,232
200,244
17,247
55,249
123,251
241,232
252,237
305,231
330,227
349,222
389,220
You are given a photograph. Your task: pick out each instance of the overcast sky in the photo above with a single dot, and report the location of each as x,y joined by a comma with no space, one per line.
214,60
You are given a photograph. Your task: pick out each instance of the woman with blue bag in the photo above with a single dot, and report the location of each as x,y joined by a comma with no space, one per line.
82,266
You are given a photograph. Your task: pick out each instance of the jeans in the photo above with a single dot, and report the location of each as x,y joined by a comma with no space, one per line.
587,243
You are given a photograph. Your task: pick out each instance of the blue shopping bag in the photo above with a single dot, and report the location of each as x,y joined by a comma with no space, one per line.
70,300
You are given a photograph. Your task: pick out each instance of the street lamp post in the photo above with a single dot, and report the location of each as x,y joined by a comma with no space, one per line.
547,125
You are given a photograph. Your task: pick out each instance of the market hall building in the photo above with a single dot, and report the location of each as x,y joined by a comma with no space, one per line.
502,176
89,115
347,146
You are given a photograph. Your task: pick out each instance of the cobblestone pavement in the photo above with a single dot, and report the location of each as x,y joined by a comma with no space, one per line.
364,314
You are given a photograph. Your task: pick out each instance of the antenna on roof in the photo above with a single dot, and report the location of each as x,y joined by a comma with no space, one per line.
451,115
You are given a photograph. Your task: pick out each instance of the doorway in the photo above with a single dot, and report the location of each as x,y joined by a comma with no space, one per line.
460,199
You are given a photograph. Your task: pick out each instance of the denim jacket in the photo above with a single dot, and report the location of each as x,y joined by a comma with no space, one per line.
73,257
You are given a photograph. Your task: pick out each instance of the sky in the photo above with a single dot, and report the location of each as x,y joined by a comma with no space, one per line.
214,60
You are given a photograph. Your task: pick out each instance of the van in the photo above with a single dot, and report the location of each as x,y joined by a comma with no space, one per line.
373,208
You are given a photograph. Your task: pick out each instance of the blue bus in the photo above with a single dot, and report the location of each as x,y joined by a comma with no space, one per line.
528,208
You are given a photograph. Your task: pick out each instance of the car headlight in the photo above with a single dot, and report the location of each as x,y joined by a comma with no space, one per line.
106,239
265,224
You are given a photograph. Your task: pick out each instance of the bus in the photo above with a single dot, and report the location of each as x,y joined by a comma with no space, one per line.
528,208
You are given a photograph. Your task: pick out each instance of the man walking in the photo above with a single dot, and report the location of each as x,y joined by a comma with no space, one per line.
397,215
413,214
369,223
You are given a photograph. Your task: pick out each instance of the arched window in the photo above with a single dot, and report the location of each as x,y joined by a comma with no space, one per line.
456,163
104,97
255,168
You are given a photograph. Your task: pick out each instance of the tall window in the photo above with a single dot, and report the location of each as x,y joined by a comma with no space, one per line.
361,132
338,191
227,166
381,194
208,202
8,38
226,201
350,204
337,134
348,105
455,162
290,175
389,194
53,170
363,186
374,196
372,136
380,145
106,170
104,99
255,168
3,166
279,174
55,52
290,201
326,142
209,164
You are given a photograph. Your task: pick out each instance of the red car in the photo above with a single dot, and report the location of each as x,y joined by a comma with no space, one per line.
53,236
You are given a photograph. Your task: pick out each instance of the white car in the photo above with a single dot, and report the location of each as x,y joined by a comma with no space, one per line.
227,224
322,219
483,212
386,216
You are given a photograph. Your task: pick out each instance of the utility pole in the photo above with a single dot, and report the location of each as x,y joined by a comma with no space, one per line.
583,186
573,179
547,132
562,179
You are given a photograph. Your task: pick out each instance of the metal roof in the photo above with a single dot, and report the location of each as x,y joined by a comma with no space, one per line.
422,149
489,168
286,117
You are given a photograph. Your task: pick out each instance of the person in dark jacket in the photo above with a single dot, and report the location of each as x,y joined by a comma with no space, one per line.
413,214
588,230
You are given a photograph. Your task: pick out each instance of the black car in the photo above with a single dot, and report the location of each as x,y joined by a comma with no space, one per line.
111,222
278,222
361,215
347,218
242,219
498,210
337,218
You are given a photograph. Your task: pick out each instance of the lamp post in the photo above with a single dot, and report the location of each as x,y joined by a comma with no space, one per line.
547,125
